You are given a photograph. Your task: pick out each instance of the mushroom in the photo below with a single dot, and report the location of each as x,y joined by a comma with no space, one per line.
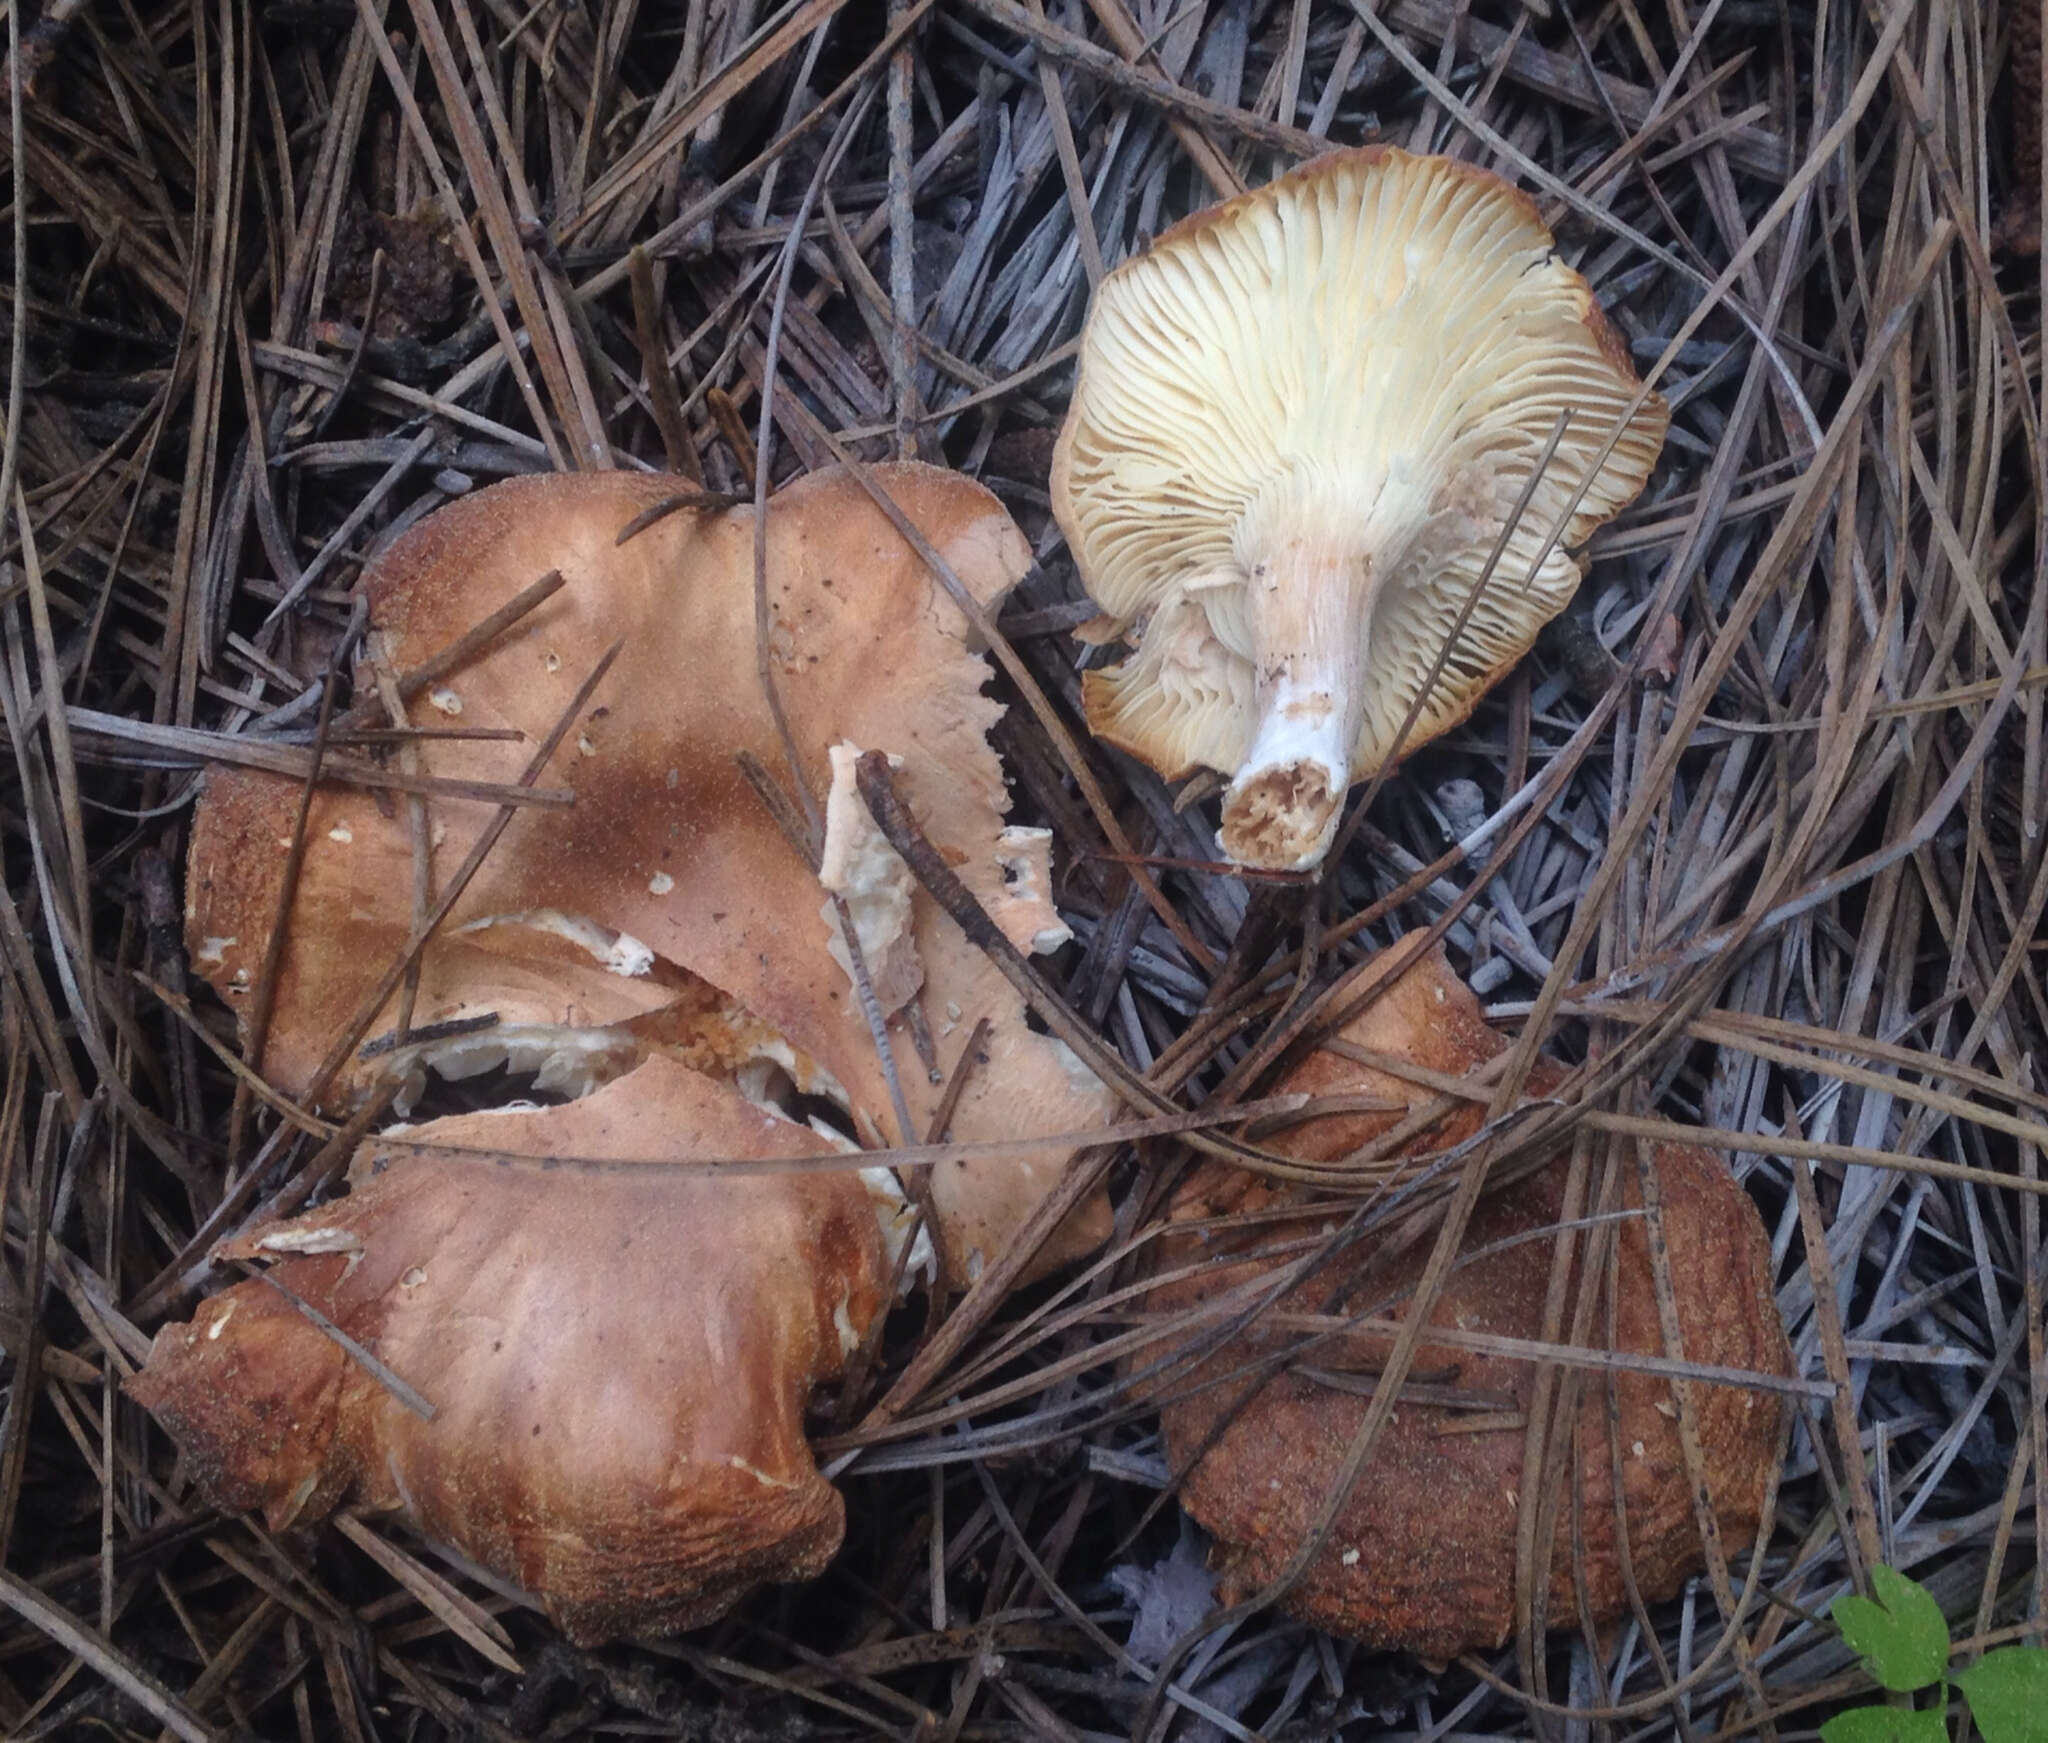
616,1363
1302,421
1422,1555
547,993
592,1383
669,879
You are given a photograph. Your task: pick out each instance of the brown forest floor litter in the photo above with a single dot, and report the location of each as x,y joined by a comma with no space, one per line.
1794,854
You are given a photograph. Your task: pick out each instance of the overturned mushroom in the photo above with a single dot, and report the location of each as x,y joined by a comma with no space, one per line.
1302,421
616,1363
1422,1555
669,879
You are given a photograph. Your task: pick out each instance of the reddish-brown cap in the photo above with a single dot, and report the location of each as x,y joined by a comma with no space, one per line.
669,867
618,1362
1422,1555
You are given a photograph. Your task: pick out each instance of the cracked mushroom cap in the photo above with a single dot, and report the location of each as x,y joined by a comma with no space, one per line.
618,1363
668,848
1302,419
545,994
1422,1556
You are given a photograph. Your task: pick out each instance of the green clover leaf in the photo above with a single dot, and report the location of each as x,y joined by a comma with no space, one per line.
1902,1636
2008,1693
1886,1725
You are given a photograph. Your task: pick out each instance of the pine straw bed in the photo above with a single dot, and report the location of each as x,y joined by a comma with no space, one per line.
1773,864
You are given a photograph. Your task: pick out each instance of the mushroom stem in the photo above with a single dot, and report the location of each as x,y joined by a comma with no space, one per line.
1311,604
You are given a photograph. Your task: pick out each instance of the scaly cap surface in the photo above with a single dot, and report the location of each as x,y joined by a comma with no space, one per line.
1422,1556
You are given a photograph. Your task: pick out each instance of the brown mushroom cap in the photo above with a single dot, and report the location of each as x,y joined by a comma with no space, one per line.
1302,419
667,845
556,986
618,1363
1422,1556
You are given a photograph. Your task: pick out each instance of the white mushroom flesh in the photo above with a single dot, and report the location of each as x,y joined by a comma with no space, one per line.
859,866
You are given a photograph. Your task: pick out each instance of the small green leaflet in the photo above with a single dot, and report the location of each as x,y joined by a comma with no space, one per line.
1903,1636
1886,1725
2008,1693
